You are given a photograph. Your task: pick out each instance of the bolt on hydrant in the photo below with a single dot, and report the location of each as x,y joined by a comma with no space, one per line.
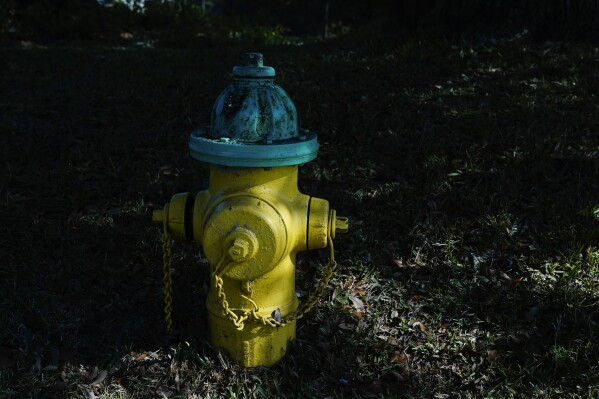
252,221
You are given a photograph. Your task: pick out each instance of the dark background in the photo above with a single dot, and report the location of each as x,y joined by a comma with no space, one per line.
213,21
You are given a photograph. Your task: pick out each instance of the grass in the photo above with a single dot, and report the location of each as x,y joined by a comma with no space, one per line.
468,170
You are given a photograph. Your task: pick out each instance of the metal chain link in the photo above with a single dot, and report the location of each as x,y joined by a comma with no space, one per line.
239,320
254,314
167,267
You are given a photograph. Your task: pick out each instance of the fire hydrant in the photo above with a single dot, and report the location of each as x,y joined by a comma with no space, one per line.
252,220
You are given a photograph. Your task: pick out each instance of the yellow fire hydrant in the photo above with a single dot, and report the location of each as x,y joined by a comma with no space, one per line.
252,221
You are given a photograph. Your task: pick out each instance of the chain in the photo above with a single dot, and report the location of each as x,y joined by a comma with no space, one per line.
322,284
167,267
238,320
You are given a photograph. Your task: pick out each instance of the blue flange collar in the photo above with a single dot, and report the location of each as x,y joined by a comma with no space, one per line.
228,152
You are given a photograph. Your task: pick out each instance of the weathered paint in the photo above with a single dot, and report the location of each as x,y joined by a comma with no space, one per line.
254,111
257,118
253,108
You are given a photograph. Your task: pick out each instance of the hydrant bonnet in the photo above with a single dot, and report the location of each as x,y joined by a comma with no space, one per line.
253,124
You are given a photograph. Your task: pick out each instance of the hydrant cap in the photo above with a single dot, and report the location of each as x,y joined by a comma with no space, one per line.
253,123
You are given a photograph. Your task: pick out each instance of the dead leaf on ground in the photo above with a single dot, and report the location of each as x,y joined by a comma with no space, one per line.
421,326
443,327
99,378
357,302
507,278
399,357
359,315
335,294
392,341
91,375
360,283
120,378
347,327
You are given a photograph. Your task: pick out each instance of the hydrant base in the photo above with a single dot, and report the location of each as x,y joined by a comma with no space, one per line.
256,345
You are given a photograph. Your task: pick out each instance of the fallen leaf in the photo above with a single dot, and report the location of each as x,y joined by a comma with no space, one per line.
99,378
91,375
359,315
421,326
399,357
504,276
357,302
335,293
139,357
483,280
218,377
344,326
392,341
120,379
507,278
443,327
358,291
